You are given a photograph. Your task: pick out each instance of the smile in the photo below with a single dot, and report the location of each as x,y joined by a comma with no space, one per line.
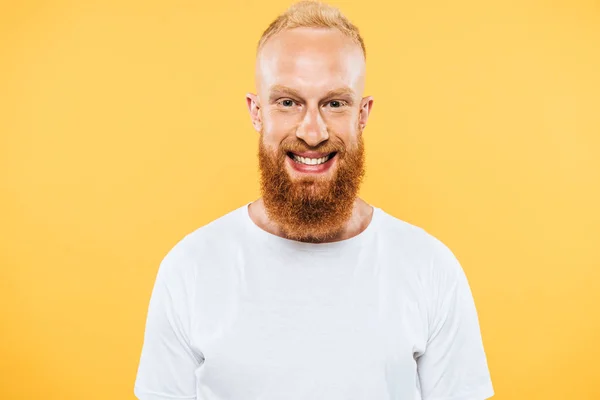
311,161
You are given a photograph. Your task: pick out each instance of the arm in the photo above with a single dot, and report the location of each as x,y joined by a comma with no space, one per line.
167,364
454,365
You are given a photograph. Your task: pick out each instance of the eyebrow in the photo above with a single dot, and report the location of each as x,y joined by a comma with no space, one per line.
277,90
343,91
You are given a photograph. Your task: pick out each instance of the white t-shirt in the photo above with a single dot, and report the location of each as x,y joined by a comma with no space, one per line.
238,313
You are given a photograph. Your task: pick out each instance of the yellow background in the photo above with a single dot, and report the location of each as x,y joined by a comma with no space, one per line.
123,127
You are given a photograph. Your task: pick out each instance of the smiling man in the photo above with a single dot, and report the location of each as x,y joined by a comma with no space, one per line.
310,114
310,292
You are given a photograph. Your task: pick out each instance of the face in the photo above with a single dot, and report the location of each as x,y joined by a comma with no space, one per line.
310,114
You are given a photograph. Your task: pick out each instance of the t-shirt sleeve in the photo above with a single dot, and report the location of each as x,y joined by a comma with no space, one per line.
167,364
453,365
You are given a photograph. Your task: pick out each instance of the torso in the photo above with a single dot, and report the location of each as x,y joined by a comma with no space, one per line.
274,321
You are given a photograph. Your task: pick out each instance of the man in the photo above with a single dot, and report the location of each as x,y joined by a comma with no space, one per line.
310,292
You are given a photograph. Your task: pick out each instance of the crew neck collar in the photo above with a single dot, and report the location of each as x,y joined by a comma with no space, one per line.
270,238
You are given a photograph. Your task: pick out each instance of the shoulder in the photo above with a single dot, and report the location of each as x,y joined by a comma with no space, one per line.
201,245
409,237
416,246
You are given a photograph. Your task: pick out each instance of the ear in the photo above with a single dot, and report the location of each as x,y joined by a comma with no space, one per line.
365,110
254,109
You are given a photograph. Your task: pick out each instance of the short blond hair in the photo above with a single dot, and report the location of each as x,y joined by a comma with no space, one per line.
312,14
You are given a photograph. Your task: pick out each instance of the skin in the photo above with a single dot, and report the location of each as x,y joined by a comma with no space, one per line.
310,84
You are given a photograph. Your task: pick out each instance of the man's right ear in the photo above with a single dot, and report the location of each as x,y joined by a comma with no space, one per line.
254,109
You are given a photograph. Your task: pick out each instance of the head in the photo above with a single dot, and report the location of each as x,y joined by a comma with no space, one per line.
310,112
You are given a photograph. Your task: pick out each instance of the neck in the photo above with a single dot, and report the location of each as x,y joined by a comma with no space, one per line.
358,221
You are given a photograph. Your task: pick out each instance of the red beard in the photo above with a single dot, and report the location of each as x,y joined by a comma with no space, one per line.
311,209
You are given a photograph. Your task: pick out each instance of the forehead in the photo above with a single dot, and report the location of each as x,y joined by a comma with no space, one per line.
311,60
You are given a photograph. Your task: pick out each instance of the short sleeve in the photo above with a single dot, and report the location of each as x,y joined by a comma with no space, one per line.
453,365
167,364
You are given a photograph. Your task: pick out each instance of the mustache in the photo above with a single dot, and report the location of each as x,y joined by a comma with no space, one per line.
298,146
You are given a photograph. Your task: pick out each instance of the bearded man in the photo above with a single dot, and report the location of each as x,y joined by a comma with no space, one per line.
310,293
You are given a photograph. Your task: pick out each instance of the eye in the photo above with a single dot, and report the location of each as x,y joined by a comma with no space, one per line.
287,103
336,103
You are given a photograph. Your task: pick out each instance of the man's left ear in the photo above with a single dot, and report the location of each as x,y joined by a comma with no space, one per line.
365,109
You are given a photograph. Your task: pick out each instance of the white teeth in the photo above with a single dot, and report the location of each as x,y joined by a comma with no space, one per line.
310,161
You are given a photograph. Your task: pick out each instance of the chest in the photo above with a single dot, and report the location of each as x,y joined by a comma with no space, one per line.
303,330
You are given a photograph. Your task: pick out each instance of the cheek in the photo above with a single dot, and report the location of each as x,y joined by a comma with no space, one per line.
347,129
278,126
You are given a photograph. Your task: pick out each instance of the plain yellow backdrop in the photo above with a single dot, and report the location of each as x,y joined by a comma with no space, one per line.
123,127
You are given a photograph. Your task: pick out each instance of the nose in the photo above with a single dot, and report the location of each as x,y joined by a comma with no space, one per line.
313,129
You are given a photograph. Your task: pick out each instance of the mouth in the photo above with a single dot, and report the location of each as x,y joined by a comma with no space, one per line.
311,163
311,160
